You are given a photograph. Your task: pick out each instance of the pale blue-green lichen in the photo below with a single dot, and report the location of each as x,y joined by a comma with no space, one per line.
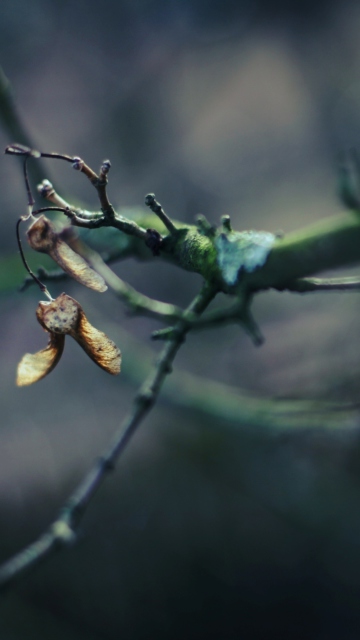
247,250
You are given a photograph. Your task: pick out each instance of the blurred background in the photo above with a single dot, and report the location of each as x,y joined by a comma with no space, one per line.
213,525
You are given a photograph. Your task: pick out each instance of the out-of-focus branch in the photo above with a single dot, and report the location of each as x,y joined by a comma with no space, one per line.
306,285
13,125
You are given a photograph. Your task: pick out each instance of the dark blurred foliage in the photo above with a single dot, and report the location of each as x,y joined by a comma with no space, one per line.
207,529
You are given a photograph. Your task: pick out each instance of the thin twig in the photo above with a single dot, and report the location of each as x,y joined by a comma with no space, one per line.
137,302
159,211
238,313
98,220
62,532
34,277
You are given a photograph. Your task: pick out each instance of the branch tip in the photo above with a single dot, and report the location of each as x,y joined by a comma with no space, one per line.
226,223
105,168
156,208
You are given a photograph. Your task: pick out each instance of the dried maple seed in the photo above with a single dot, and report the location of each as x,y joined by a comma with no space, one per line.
60,317
43,237
35,366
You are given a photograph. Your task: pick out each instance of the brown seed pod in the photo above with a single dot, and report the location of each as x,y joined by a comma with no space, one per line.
60,317
43,237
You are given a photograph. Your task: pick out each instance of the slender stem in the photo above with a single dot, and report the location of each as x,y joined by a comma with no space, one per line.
62,532
31,200
37,212
40,284
136,301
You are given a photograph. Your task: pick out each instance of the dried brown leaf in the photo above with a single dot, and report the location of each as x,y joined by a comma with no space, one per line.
43,237
35,366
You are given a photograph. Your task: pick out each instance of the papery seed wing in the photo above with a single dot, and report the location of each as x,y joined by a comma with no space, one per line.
42,236
74,265
35,366
98,346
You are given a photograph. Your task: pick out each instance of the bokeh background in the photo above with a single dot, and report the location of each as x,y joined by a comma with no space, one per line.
212,526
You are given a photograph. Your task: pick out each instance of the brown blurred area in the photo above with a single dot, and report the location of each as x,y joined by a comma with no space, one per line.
206,529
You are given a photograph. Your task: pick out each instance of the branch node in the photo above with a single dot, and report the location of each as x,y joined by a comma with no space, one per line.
247,320
153,240
77,163
106,464
63,533
145,399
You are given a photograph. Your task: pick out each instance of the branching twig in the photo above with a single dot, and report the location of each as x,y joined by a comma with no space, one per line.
62,532
238,313
98,220
108,218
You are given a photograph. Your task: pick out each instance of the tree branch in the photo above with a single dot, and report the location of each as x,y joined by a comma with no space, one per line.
238,313
305,285
62,531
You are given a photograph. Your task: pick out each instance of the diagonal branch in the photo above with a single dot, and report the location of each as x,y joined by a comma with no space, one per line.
61,532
